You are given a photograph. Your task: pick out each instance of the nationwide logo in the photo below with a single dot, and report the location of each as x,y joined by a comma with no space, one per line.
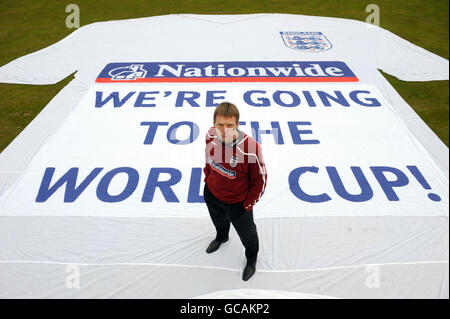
306,41
251,71
129,72
222,170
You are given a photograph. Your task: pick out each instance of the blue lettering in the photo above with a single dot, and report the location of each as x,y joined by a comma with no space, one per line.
152,127
194,186
295,188
102,189
387,185
143,97
275,131
262,100
72,192
188,96
339,98
164,186
295,133
194,132
99,102
210,97
309,98
295,98
370,101
366,190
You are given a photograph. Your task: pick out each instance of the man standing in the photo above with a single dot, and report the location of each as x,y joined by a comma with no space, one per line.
235,180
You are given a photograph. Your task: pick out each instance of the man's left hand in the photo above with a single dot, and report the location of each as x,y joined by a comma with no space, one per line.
248,206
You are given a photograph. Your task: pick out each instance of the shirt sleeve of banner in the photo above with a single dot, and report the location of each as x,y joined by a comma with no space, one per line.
47,66
258,180
406,61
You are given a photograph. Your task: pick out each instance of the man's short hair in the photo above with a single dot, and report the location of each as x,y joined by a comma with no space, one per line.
227,109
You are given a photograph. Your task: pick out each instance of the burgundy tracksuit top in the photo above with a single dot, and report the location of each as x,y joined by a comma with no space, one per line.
234,172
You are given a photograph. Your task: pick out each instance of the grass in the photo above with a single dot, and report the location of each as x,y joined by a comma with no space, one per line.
27,26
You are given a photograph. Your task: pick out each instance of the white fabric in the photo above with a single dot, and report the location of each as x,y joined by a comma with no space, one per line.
259,294
327,248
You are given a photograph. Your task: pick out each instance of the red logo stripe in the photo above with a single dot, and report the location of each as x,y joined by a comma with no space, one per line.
233,79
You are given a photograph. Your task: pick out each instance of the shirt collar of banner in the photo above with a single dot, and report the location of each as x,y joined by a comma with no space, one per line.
236,141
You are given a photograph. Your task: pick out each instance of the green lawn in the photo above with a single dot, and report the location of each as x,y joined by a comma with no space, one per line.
27,26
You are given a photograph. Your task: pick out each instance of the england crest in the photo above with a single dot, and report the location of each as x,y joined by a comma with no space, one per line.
306,41
233,161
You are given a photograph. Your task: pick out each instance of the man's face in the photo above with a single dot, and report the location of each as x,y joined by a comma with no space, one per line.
226,127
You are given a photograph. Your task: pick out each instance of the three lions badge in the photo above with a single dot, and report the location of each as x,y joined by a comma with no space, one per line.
306,41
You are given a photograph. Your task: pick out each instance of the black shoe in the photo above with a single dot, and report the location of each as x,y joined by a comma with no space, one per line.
248,271
214,245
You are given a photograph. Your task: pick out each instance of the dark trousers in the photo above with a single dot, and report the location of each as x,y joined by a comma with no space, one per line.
222,213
